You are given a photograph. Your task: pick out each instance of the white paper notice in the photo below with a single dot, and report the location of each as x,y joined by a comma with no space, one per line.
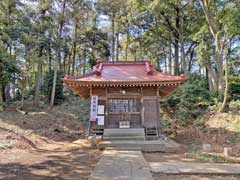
100,109
100,120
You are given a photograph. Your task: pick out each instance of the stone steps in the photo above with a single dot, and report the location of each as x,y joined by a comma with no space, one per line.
122,132
134,139
137,134
124,138
145,146
124,148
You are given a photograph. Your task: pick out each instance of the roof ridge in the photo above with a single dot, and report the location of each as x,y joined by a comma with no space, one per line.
121,62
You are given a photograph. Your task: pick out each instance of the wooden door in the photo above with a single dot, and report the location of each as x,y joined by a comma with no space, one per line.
150,112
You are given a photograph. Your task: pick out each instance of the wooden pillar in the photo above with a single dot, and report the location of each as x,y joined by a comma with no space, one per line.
106,111
90,91
142,107
90,124
158,109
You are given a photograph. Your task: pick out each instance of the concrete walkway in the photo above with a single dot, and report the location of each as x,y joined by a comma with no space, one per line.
121,165
194,168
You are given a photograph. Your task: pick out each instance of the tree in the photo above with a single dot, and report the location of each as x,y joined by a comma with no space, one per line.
48,85
58,51
111,8
9,31
222,20
41,29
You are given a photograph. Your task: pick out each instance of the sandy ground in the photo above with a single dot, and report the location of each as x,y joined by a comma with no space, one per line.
44,146
60,161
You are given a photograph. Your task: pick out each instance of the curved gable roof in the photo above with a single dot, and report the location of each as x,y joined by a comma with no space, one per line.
124,72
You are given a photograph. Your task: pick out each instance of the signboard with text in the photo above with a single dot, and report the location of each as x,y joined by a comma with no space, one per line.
94,107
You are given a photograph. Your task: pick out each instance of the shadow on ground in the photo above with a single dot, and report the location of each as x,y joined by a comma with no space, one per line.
51,125
57,164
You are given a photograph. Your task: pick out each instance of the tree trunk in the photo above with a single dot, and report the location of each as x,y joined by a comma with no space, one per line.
113,36
73,62
74,49
219,62
66,54
127,44
169,59
183,58
58,52
38,80
165,64
190,62
7,93
176,63
213,77
208,79
4,92
37,86
213,24
69,64
224,104
1,83
49,57
84,61
54,85
117,48
140,51
1,95
176,42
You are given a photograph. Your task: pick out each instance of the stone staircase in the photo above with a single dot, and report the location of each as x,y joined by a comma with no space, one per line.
119,138
134,139
133,134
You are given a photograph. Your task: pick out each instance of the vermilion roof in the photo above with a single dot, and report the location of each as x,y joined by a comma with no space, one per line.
124,74
128,72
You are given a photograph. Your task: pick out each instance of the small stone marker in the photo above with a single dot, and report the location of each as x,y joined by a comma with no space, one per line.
227,151
98,139
207,148
92,140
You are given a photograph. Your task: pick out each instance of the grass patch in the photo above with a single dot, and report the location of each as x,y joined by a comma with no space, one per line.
5,145
213,157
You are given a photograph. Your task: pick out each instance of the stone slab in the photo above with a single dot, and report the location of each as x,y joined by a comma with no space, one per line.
121,165
194,168
145,146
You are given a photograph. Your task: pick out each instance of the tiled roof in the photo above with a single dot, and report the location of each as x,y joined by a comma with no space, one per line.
124,72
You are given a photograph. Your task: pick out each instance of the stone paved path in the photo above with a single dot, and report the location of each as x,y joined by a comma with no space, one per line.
121,165
194,168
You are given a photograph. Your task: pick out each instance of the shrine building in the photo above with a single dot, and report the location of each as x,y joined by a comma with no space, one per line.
124,95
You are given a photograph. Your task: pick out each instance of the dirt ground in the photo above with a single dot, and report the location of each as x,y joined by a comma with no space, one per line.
194,177
60,161
48,145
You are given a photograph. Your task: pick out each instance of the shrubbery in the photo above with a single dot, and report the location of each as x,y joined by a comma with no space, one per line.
190,101
234,88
